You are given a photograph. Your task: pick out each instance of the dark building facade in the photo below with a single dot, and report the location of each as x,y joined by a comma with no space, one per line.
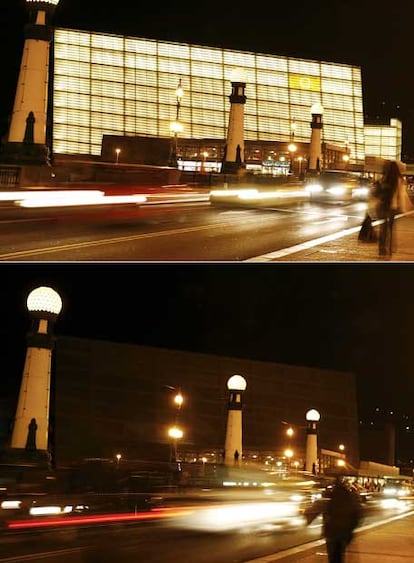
111,398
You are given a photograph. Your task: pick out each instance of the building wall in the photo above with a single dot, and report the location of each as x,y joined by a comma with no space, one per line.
384,141
114,85
112,397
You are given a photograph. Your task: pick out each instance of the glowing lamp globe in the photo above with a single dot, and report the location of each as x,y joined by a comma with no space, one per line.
236,383
317,109
51,2
313,415
238,75
44,299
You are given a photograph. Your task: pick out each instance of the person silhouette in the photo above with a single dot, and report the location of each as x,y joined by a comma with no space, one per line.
236,457
392,198
31,435
341,514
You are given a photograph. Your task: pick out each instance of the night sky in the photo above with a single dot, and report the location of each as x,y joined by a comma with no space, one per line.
373,34
346,317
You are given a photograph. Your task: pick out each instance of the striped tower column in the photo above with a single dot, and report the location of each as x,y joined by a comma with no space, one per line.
31,424
312,419
233,443
27,139
233,160
315,148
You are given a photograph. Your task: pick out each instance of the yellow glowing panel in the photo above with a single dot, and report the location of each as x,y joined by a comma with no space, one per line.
72,99
72,52
305,82
302,97
111,42
102,57
176,67
278,79
207,86
330,70
140,46
67,36
107,105
138,61
239,59
173,50
206,54
71,84
338,86
272,63
304,68
338,102
111,73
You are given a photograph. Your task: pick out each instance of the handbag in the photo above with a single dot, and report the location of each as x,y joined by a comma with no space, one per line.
367,232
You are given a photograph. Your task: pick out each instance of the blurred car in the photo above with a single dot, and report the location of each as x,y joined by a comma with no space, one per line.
337,186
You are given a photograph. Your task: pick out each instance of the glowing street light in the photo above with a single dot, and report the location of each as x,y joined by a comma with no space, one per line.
118,458
300,160
236,386
290,432
117,151
176,127
31,424
178,399
292,149
312,419
175,434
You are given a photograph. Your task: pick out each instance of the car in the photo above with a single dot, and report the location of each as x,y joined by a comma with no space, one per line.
337,186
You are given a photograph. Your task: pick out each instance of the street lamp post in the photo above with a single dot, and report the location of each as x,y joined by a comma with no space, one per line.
288,454
176,127
300,160
31,425
175,433
312,419
28,133
292,150
315,148
236,385
117,151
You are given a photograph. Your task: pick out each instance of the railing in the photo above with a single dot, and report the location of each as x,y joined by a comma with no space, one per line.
9,176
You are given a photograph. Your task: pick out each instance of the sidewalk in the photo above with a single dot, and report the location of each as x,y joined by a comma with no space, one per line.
391,542
347,248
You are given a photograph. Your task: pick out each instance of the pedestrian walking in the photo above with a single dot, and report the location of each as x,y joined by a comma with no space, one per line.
391,198
341,514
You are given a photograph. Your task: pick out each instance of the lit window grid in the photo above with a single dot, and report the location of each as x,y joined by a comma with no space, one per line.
116,68
384,141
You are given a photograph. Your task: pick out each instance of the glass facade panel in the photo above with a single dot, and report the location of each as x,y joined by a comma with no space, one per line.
384,141
205,54
129,85
272,63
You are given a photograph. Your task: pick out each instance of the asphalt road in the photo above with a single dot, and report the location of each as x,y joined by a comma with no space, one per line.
157,543
186,232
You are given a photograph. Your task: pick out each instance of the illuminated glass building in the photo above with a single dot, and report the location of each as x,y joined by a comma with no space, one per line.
384,141
125,86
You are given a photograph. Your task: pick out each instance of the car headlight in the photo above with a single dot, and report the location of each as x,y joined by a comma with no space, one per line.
313,188
336,190
361,192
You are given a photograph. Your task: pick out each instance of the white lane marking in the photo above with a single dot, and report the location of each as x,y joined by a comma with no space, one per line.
302,246
307,546
315,242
